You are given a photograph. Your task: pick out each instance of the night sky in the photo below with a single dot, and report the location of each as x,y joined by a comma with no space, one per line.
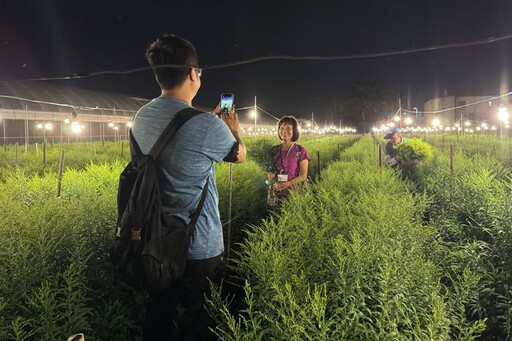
60,38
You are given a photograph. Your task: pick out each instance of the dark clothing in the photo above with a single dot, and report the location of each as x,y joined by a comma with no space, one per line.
178,313
392,152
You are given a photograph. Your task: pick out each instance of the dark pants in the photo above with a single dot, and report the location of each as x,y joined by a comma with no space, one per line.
178,313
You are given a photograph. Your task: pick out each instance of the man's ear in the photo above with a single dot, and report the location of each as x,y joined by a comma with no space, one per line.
193,75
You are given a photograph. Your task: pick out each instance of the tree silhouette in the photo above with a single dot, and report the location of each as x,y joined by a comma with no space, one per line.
364,103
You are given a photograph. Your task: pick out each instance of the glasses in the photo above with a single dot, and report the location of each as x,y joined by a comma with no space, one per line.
199,71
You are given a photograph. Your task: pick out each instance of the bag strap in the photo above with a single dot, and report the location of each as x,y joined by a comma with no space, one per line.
195,215
178,120
176,123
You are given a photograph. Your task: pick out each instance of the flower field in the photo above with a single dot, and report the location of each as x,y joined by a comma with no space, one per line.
362,253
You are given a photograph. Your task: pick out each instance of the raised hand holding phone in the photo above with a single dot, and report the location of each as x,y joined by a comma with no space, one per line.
226,102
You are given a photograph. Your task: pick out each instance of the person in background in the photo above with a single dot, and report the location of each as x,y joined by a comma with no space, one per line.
178,313
290,160
395,138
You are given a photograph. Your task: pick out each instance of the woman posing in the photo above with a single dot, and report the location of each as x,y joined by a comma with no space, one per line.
290,160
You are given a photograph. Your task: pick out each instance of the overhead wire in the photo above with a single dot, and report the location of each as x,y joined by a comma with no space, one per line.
459,106
275,57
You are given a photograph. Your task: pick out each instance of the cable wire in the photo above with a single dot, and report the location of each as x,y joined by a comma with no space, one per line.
457,107
278,57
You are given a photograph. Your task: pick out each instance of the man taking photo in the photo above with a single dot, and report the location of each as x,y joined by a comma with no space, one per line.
186,162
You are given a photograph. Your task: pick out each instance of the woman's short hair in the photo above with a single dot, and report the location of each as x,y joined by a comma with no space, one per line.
293,122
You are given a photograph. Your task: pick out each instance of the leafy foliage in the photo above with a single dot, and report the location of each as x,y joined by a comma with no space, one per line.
415,149
347,259
471,211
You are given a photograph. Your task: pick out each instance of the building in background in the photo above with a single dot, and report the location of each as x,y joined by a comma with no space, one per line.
449,110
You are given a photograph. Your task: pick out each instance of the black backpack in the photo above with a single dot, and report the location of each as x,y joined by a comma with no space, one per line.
150,249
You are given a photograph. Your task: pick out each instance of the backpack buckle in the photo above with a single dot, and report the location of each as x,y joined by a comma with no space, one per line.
136,234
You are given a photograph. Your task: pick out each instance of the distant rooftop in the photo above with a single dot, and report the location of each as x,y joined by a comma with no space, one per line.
44,97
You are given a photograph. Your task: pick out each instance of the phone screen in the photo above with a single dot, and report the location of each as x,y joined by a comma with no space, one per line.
226,102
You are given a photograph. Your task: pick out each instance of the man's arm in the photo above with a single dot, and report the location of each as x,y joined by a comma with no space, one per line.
233,124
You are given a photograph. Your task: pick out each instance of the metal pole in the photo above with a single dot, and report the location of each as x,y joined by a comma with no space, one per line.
44,153
229,209
400,111
380,157
319,164
255,114
451,159
61,169
27,138
5,137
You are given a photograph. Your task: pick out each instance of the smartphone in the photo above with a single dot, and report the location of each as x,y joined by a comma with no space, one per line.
226,102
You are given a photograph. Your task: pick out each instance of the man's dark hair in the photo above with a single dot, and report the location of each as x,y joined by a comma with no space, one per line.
293,122
171,50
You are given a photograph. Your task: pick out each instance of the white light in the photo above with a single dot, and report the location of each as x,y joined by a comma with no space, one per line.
408,120
503,114
397,118
129,124
436,122
48,126
75,127
253,113
39,126
467,123
66,120
111,124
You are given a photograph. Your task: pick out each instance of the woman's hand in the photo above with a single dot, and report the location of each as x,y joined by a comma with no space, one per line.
280,186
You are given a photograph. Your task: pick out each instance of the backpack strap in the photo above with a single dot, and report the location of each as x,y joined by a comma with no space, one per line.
176,123
195,215
178,120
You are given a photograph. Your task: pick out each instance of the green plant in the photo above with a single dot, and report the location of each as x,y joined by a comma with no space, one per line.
414,149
